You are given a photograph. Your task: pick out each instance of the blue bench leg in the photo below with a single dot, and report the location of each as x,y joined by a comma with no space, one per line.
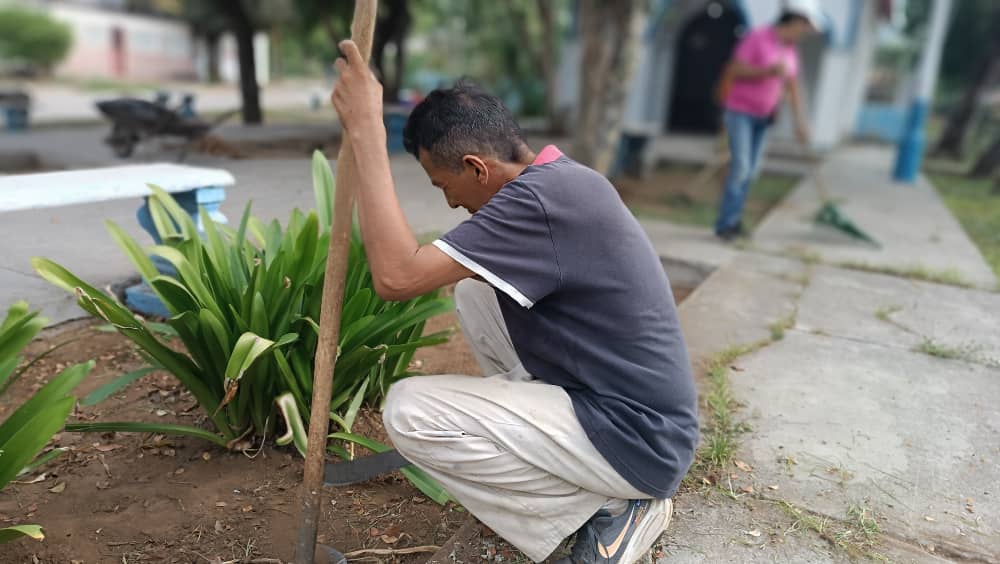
141,297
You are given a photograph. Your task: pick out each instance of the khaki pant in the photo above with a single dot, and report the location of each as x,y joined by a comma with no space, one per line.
508,447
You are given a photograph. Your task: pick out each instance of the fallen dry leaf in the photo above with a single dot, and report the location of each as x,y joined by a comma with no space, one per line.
747,489
220,504
218,526
161,412
389,540
753,533
246,508
206,455
743,466
108,448
103,484
929,518
774,487
58,488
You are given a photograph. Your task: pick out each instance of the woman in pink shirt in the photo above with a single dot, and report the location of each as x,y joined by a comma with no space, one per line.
764,65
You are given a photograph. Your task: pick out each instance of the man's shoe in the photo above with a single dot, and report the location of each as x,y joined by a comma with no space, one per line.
624,538
731,233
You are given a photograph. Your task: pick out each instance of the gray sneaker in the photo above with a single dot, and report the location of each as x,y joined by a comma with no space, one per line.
622,539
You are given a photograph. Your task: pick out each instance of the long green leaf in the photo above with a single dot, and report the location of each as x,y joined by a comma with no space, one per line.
8,534
136,427
114,386
51,393
31,435
323,189
132,249
295,429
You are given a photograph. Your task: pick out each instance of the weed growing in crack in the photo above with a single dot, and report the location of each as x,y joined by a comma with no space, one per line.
719,442
949,277
779,327
938,349
884,313
857,535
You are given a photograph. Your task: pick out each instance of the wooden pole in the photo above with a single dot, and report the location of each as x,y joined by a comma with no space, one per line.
362,30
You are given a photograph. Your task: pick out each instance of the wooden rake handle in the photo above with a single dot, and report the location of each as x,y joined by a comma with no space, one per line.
362,31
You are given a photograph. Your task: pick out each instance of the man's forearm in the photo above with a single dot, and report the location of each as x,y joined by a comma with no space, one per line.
389,242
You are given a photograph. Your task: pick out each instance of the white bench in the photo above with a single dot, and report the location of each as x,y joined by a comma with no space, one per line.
192,187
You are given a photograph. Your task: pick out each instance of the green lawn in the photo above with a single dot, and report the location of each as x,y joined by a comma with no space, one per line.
664,194
976,209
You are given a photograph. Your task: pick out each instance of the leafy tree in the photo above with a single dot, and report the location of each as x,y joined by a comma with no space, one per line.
33,37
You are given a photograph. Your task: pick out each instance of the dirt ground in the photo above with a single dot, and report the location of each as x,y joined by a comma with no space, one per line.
127,498
130,498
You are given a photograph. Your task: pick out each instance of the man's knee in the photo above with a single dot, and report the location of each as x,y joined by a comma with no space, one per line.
397,412
470,293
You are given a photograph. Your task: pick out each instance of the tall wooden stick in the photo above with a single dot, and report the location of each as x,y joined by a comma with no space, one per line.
362,30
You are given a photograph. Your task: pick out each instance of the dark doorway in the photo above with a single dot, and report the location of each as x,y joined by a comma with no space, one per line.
704,46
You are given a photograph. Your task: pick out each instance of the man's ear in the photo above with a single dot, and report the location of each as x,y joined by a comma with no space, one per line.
478,167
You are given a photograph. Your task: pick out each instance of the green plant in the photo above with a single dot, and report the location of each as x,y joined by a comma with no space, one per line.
28,429
33,37
247,315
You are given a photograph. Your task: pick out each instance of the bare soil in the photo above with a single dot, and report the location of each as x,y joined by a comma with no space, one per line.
127,498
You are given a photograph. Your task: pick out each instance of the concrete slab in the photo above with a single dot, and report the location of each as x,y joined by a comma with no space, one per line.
845,303
913,438
737,304
912,223
688,243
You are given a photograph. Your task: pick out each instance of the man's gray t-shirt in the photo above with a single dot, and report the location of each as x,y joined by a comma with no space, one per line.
589,308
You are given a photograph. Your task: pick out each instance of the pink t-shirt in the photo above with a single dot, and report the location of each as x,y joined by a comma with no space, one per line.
760,96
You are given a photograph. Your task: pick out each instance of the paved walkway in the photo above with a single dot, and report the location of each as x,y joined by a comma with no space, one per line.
854,425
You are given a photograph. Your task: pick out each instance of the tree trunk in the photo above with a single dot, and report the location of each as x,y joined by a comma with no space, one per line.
243,29
989,161
550,69
212,48
610,33
952,140
393,28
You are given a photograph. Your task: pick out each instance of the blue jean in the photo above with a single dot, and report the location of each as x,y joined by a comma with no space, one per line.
747,139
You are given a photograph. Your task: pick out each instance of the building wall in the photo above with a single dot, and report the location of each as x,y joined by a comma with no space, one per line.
154,48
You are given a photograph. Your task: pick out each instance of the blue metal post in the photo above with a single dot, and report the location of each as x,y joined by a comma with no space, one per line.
912,141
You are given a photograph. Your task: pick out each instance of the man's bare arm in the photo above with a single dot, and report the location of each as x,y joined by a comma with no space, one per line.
401,268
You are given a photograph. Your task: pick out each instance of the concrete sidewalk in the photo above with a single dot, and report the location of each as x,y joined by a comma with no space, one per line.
868,401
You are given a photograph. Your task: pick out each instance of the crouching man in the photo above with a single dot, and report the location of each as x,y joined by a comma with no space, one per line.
586,420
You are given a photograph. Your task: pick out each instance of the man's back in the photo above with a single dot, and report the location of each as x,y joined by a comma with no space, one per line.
602,321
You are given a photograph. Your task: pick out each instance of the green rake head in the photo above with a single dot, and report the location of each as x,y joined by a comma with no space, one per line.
831,216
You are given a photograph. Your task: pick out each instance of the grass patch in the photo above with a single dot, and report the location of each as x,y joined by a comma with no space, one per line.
804,254
779,327
858,534
884,313
719,435
930,347
977,209
949,277
666,193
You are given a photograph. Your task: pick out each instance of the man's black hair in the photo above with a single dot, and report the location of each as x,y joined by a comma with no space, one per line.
787,17
463,120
